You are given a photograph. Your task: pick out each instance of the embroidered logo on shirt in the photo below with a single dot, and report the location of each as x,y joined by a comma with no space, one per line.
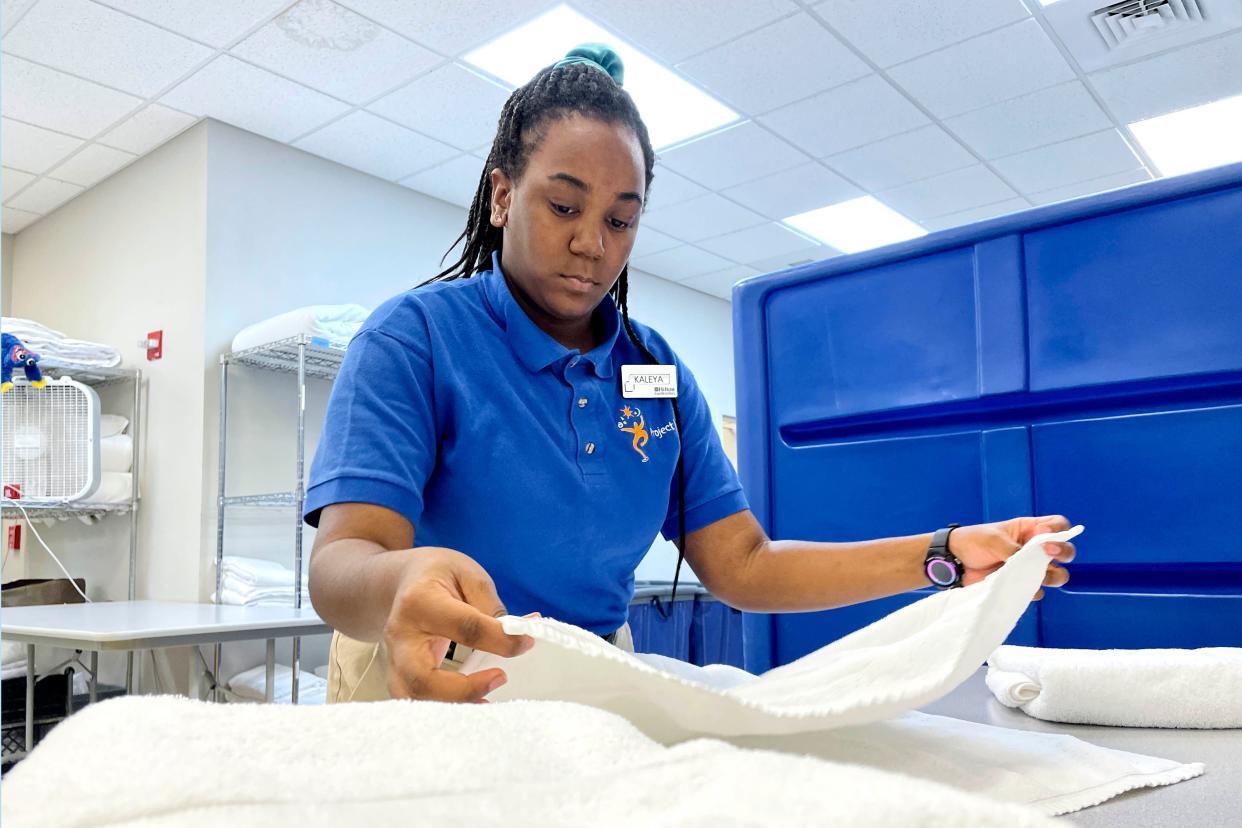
632,422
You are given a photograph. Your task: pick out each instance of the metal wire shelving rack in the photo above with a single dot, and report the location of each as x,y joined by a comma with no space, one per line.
307,358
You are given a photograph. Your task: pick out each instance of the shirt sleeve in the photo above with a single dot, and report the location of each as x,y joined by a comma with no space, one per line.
712,488
379,437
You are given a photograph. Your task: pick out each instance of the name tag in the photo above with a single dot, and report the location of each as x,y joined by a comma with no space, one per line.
648,382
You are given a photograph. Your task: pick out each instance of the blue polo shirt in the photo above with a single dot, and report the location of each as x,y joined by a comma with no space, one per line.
454,409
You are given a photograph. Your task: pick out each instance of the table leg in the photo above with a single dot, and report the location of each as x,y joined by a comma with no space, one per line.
129,673
269,688
94,675
30,683
297,657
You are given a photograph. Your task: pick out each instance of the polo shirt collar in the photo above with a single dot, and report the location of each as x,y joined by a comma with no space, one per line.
534,348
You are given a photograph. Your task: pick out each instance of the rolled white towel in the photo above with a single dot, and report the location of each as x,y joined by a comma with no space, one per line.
1131,688
114,487
116,453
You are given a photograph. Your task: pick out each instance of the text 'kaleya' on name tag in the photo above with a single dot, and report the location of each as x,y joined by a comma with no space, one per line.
647,382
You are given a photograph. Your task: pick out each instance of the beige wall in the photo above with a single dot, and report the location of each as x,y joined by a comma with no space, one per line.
6,273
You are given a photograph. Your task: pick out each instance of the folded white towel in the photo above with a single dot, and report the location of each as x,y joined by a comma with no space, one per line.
110,425
116,453
251,684
1134,688
55,348
114,487
335,324
522,764
257,572
259,597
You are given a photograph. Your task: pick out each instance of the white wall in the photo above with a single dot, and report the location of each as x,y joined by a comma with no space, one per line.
121,259
6,273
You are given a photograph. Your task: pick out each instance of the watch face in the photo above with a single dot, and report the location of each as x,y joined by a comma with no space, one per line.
941,572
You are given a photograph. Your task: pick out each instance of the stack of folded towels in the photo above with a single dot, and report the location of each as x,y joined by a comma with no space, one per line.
253,582
54,348
249,686
330,326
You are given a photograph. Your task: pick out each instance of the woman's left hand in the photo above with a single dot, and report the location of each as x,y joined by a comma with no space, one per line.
984,547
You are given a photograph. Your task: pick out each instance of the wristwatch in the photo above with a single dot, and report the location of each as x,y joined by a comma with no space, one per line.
943,568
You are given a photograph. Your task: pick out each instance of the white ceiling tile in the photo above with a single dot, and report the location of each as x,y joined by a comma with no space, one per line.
721,282
794,191
669,188
985,70
947,193
1091,187
680,263
16,221
451,26
733,156
433,105
1042,117
31,148
849,116
753,243
675,31
768,68
794,258
454,181
256,100
218,23
45,195
11,12
369,143
147,129
1077,159
651,241
890,34
702,217
13,182
901,159
47,98
103,45
1195,74
330,48
1000,208
92,165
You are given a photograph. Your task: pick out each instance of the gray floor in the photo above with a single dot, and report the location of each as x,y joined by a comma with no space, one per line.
1214,799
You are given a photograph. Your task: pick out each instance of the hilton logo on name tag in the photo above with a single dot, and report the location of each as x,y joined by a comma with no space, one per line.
648,382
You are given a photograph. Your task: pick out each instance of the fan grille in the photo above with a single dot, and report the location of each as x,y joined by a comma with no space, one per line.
50,450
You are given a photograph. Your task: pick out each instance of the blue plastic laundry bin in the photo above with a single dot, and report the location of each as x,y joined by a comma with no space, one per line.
1083,358
658,626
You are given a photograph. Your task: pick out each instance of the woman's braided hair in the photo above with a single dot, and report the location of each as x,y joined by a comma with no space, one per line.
584,88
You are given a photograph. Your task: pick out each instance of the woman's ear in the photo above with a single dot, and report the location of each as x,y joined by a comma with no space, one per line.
502,197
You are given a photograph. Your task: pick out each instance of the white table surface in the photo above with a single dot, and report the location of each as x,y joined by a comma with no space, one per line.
1213,800
146,625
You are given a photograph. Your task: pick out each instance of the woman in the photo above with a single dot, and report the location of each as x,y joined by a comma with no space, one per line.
484,416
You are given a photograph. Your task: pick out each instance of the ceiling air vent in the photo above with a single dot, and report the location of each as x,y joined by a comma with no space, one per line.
1132,20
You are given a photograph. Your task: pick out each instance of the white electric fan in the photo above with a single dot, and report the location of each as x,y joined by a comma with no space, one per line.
51,442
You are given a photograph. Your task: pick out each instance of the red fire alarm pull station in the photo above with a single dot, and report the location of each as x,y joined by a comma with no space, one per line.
15,537
155,345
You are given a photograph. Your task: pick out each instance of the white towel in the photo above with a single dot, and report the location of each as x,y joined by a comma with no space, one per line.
251,684
259,597
55,348
903,661
116,453
114,487
257,572
1135,688
524,764
335,324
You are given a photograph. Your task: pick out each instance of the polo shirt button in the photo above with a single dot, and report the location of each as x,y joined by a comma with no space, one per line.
590,448
582,401
573,362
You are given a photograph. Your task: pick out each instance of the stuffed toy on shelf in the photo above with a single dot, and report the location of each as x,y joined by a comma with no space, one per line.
15,354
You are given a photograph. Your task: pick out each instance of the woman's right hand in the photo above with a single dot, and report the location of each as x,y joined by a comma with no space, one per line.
445,596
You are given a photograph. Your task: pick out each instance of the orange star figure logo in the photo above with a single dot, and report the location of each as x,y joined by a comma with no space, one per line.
638,429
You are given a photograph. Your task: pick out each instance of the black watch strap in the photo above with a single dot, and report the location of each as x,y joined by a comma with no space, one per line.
942,567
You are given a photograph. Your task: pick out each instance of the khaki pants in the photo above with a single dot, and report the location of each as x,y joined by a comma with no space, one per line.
358,670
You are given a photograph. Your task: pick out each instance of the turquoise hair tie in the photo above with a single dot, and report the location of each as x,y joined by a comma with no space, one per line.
598,56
